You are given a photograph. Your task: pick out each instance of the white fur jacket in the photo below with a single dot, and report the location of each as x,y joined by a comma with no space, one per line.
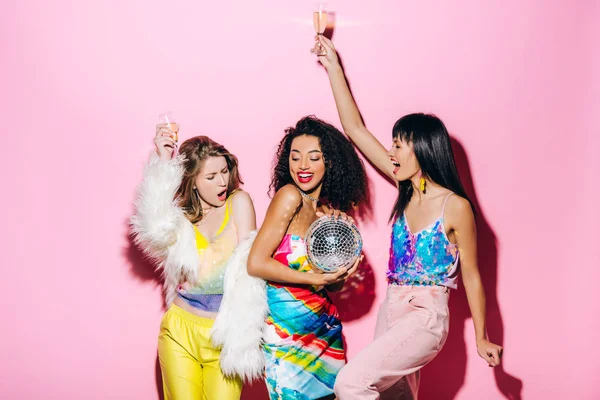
162,231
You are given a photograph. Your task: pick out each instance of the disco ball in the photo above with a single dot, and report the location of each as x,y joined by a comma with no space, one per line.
332,243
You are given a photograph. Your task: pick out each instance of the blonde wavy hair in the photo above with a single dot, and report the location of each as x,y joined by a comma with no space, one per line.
197,150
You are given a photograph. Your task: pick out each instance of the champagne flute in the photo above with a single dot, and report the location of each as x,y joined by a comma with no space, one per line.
320,23
168,121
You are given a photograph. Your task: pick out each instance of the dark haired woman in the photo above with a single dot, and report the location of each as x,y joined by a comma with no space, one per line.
433,224
315,164
189,218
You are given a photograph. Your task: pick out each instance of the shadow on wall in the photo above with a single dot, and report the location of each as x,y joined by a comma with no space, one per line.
445,375
143,270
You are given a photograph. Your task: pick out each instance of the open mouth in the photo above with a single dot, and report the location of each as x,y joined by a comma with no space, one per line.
222,195
305,177
396,165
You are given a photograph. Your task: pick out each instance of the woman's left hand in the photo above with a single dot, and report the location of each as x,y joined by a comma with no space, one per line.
330,59
334,214
490,352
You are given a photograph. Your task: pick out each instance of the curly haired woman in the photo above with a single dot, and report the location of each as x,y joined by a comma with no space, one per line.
304,351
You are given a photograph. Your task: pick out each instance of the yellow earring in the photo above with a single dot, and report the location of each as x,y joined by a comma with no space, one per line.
423,185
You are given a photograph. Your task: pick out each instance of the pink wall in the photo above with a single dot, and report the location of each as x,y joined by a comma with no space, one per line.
516,82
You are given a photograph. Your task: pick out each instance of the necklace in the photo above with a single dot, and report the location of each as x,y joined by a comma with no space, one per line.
309,197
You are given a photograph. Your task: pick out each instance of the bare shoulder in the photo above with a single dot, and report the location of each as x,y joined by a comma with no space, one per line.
244,214
241,200
288,196
458,208
282,210
285,204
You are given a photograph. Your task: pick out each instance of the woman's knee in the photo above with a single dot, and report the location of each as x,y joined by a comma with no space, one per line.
348,382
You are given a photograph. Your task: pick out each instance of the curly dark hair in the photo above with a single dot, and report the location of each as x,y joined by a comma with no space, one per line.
345,180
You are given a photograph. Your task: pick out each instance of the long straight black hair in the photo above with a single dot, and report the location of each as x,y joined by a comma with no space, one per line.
431,145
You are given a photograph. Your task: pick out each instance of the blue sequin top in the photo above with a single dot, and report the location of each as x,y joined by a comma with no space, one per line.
422,258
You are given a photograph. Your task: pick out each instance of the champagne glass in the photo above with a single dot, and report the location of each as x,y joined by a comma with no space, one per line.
167,119
320,22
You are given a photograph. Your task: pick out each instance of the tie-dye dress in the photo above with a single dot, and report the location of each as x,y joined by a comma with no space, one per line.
303,341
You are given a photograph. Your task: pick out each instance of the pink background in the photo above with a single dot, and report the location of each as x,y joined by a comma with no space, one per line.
516,82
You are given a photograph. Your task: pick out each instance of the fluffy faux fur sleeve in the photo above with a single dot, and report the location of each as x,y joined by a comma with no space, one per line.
159,226
239,327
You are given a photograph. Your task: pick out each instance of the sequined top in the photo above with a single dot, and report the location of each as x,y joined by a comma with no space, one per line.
214,254
422,258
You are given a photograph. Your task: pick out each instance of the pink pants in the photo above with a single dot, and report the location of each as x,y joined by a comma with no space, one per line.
411,329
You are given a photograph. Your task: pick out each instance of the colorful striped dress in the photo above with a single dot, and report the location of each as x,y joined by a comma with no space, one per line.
303,341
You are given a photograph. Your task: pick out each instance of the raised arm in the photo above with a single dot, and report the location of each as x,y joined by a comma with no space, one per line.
349,114
159,225
157,218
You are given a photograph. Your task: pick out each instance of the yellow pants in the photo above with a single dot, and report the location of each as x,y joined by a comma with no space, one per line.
188,361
